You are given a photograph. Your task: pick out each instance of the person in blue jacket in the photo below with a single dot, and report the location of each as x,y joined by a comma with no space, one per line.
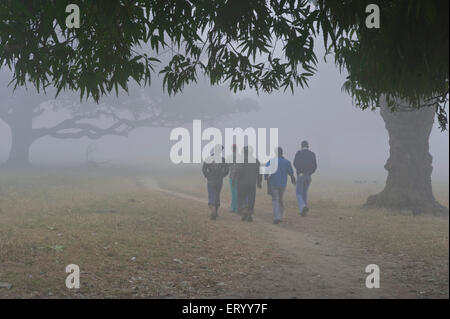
277,184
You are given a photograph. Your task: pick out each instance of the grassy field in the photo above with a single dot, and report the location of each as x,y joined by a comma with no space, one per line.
134,243
337,211
417,245
128,242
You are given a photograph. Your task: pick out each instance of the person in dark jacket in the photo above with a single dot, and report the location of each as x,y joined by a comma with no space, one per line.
214,171
247,178
306,164
232,162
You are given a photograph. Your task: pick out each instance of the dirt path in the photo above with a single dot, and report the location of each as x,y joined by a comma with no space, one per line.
313,267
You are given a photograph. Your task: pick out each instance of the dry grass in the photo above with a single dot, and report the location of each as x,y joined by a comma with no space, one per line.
337,211
128,242
417,246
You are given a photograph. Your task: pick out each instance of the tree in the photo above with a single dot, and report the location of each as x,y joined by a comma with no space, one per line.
112,116
407,58
408,185
222,39
403,69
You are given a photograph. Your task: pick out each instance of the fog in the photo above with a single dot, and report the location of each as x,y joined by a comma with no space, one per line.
345,138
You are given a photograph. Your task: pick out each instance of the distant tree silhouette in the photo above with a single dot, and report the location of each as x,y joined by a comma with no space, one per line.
117,116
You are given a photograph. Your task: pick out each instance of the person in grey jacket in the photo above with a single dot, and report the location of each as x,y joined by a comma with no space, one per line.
214,171
247,177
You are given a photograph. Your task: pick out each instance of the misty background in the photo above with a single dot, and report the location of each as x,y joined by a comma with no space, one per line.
345,138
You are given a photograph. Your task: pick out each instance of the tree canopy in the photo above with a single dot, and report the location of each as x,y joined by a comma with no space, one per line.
406,59
221,39
264,45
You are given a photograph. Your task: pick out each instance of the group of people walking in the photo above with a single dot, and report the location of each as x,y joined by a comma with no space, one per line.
244,178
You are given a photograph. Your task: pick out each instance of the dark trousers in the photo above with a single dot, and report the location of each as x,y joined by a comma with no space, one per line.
214,189
246,197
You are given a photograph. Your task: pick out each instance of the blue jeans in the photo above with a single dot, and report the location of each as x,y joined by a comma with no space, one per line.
214,189
303,182
277,202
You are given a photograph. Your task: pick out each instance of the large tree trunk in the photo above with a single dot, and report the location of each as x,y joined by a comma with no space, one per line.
19,155
408,185
22,137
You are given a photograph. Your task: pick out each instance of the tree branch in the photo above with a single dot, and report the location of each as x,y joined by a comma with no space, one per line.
72,128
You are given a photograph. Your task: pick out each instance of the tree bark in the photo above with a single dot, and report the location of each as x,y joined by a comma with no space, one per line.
408,185
19,155
22,137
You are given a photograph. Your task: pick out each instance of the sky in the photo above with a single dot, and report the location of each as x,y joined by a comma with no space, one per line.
344,138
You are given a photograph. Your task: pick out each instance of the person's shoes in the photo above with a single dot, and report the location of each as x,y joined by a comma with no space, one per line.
214,213
249,218
211,211
304,211
276,221
244,217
